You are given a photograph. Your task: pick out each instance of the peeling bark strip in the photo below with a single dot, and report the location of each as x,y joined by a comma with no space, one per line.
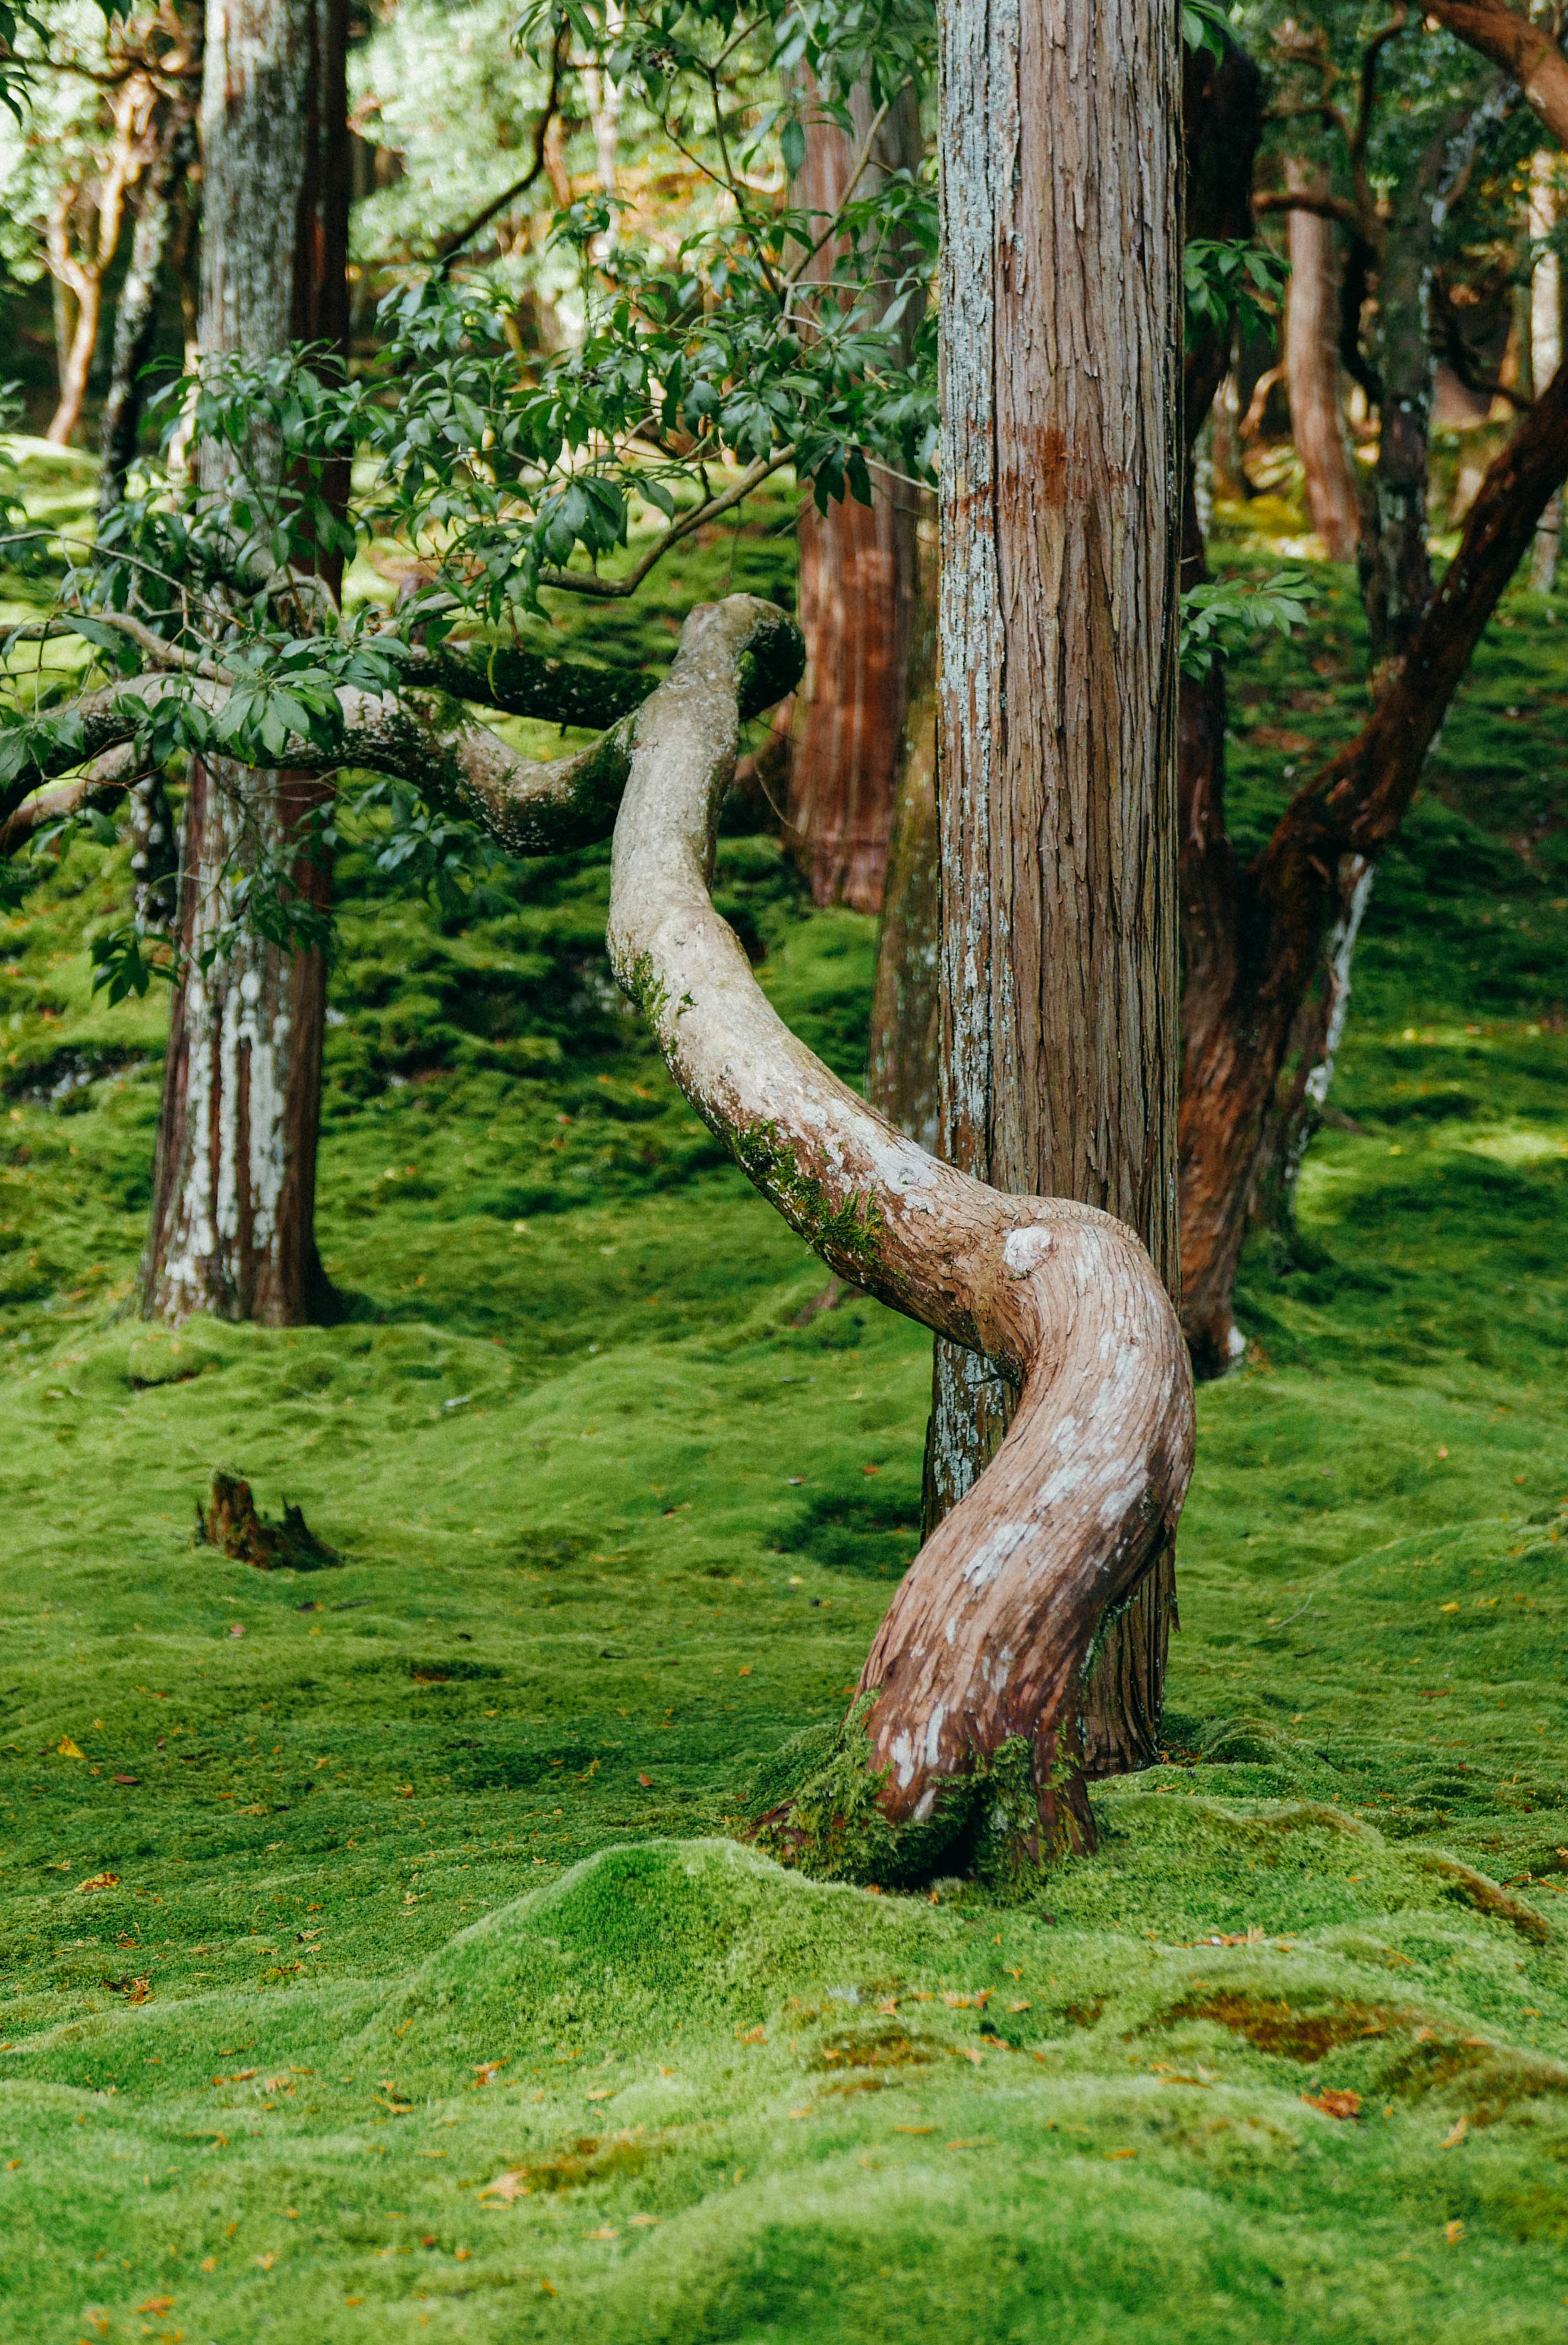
1061,332
989,1634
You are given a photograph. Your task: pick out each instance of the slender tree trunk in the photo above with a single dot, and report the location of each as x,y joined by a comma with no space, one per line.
136,312
856,592
902,1077
1057,726
1312,365
1545,346
232,1228
1395,563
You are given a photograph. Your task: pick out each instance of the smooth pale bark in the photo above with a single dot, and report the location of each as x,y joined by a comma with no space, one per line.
992,1626
856,584
1545,344
1280,930
1061,334
234,1192
1312,368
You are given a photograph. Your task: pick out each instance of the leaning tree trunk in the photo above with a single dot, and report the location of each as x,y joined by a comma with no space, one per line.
1275,976
856,588
1312,366
1061,332
232,1229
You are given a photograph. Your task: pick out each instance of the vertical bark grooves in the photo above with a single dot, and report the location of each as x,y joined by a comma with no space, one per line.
1060,469
1312,366
989,1632
856,591
233,1212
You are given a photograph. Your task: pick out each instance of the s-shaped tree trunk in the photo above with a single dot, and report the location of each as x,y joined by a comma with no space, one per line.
234,1194
1062,338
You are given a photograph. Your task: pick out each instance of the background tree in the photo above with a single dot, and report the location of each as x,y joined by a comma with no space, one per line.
234,1193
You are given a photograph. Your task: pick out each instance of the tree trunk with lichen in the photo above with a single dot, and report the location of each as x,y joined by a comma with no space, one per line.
1056,732
234,1193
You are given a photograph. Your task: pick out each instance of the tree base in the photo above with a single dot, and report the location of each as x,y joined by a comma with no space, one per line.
996,1824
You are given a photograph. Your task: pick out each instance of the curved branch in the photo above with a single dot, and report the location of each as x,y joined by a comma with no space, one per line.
527,683
990,1634
1525,52
104,780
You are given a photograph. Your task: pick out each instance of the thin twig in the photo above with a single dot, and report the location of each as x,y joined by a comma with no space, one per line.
451,246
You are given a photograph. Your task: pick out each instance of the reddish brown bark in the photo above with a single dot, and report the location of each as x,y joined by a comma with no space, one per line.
1057,714
856,592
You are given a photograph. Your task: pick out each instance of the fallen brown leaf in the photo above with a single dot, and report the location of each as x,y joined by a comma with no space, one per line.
1452,2139
99,1881
1335,2104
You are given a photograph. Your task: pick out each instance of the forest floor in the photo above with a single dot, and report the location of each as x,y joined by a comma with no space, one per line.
1286,2060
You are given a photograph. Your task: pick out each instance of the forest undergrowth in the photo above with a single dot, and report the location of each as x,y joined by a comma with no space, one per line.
1286,2060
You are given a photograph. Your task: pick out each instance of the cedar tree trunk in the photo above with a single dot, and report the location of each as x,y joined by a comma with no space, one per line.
1062,335
855,590
234,1193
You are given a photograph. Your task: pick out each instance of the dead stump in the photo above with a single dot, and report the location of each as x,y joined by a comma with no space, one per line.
232,1523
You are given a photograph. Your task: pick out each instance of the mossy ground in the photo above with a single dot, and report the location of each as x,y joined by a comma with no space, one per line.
613,1528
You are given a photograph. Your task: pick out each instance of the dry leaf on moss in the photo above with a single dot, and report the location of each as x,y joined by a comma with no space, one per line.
1335,2104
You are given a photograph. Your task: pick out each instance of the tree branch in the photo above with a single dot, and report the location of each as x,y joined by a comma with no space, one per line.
1525,52
451,246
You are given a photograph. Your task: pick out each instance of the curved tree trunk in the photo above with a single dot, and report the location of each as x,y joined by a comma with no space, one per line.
856,589
991,1629
232,1229
1273,988
1057,731
1312,366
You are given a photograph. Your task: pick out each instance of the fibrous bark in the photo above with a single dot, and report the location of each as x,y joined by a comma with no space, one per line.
902,1062
234,1193
856,578
1062,336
